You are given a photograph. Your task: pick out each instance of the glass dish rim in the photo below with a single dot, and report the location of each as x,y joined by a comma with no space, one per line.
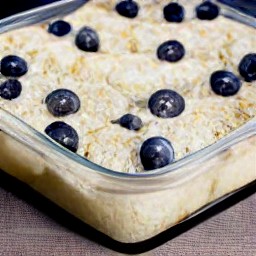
246,130
40,14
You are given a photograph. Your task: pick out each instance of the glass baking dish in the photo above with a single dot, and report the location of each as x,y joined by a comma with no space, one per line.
130,207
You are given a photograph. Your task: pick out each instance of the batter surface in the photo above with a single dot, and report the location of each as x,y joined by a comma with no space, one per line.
125,72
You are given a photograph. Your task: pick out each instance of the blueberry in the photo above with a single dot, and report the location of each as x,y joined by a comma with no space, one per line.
128,8
166,103
225,83
62,102
10,89
59,28
13,66
156,152
129,121
64,134
87,40
174,12
207,11
247,67
171,51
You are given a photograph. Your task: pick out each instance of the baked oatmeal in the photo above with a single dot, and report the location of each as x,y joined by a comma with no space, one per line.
121,85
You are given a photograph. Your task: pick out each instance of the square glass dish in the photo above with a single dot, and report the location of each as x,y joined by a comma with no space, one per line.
128,207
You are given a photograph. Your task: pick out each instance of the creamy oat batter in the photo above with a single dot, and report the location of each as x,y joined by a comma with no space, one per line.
121,77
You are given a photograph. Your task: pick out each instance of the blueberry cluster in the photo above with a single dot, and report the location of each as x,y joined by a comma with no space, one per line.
226,83
172,12
86,39
60,103
158,152
12,67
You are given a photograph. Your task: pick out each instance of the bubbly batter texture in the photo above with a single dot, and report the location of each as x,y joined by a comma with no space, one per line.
125,72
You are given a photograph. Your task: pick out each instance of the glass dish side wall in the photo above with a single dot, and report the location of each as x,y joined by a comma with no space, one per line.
126,209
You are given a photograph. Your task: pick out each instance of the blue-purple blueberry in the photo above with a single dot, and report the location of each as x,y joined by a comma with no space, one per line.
63,134
156,152
10,89
87,40
130,122
225,83
59,28
207,11
166,103
171,51
174,12
13,66
247,67
128,8
62,102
